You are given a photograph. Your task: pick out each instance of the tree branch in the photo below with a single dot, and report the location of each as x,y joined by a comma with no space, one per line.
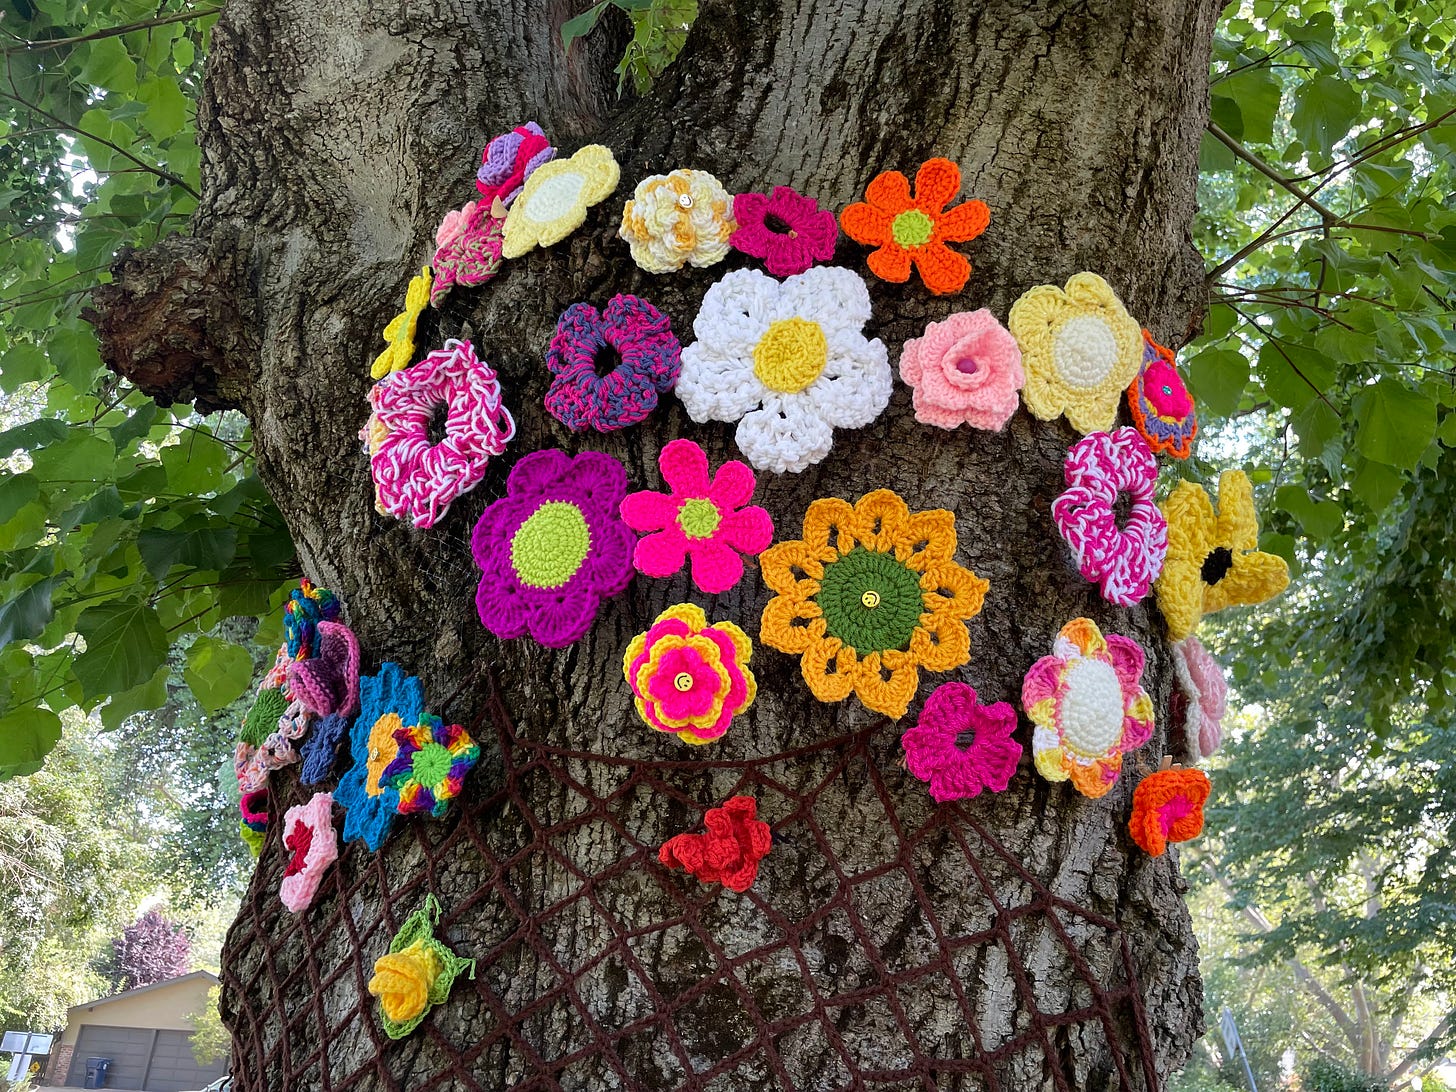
1263,168
1425,1044
26,46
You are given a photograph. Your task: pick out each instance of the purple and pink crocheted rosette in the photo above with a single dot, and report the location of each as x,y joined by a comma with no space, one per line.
1122,554
787,230
328,682
553,547
508,161
965,370
415,477
468,250
608,368
960,746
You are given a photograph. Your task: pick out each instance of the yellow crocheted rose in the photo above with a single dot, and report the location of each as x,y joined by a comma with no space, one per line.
400,333
1079,348
402,980
556,196
1212,558
680,218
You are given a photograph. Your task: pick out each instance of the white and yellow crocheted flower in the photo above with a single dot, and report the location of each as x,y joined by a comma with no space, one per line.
1079,348
556,196
677,219
788,361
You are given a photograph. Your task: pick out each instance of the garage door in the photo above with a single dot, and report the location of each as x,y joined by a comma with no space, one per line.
174,1069
157,1061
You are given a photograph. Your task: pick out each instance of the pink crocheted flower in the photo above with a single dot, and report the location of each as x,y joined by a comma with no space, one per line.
468,250
312,845
417,473
1159,403
709,521
966,370
789,231
452,226
690,678
1123,554
508,161
1206,691
960,746
329,681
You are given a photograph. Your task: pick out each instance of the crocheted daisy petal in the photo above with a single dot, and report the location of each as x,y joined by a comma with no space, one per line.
855,386
834,297
787,435
716,385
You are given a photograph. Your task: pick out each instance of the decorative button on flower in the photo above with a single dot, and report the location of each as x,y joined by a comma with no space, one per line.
1160,405
677,219
688,677
556,197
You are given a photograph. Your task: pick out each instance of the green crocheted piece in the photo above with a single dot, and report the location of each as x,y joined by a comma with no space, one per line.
262,719
871,601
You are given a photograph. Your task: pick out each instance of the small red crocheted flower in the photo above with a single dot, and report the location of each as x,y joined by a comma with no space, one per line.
1167,806
729,853
914,230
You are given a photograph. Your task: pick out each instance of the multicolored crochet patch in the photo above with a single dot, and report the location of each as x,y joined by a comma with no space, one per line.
328,681
729,853
690,678
307,606
510,159
431,760
677,219
388,702
1160,405
961,747
787,230
467,249
965,370
608,368
416,974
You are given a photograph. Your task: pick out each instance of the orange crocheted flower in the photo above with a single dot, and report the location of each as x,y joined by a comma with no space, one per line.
914,230
870,595
1167,806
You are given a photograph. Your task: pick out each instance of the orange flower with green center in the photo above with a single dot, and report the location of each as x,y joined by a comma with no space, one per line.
868,596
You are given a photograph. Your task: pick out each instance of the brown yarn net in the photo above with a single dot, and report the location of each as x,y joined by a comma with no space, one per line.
563,997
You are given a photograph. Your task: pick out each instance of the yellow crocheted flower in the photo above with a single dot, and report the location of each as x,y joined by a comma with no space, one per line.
1079,348
400,333
688,677
1213,561
877,596
680,218
554,201
402,981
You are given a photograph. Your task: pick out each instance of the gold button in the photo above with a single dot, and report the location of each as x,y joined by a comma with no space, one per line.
685,200
870,599
683,682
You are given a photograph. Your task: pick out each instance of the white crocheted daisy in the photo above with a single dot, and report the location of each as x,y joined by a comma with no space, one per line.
787,361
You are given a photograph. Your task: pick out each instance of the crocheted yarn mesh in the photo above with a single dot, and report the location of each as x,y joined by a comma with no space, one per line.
296,985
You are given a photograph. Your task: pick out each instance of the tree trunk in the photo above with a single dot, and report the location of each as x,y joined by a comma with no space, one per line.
893,944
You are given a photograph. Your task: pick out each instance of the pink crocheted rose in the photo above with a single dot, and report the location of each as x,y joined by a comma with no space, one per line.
789,231
1123,554
960,746
709,521
1203,684
312,845
454,223
468,250
965,370
328,682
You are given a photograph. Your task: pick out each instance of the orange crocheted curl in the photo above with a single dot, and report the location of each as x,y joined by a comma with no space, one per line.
1167,806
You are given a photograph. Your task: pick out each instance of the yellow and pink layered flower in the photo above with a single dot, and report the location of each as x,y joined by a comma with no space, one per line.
1088,707
690,678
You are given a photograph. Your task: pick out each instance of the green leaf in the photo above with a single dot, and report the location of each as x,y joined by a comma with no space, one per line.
109,66
1395,424
16,491
32,435
207,547
136,426
1321,520
1377,485
1293,374
22,363
26,737
151,694
166,107
74,354
1325,109
197,464
218,672
1257,92
1218,378
580,25
125,644
26,614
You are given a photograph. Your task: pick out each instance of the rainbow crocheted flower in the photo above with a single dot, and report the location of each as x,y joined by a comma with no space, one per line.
880,597
787,361
434,429
556,197
608,368
1213,561
960,746
431,760
965,370
710,521
417,972
553,547
1167,806
312,845
1109,517
1080,349
388,702
510,159
789,231
1087,707
1161,407
677,219
307,606
400,333
690,678
1205,694
468,249
328,681
914,229
736,840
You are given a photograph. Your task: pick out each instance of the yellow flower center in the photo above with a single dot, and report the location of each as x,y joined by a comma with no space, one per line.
684,681
382,750
790,355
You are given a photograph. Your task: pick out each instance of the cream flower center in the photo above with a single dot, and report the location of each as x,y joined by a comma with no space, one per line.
790,355
1092,709
1085,351
554,197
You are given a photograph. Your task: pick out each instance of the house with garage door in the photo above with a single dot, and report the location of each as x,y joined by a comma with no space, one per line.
145,1034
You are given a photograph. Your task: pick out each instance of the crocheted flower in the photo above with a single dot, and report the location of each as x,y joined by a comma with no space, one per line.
690,678
430,762
254,808
400,333
1167,806
880,598
1080,349
731,849
312,845
1205,692
789,231
709,521
468,249
1120,550
1161,407
307,606
510,159
320,751
677,219
607,368
553,547
556,196
417,972
418,471
960,746
270,729
914,229
388,702
1213,561
965,370
1087,707
787,361
328,682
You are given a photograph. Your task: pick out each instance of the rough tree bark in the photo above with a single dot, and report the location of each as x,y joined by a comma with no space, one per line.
336,133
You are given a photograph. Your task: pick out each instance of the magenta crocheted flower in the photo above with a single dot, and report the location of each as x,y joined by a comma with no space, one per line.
789,231
965,370
418,470
508,161
690,678
328,682
960,746
1123,554
312,845
607,368
1206,691
468,250
553,547
710,521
